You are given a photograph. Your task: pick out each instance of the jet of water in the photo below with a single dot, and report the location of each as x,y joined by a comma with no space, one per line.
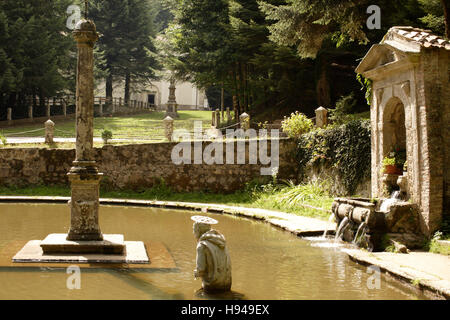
330,219
360,233
342,226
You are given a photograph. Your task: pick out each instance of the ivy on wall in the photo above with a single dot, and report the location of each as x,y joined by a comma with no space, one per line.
346,147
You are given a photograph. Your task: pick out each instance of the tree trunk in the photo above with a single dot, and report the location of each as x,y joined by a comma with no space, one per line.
245,86
323,86
222,101
127,88
446,7
235,96
239,88
109,86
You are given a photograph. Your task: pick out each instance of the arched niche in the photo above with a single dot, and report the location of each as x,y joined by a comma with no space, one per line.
394,128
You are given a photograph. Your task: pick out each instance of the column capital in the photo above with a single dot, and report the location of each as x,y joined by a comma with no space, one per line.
85,32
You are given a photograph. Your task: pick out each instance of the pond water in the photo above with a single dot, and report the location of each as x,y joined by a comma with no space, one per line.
266,263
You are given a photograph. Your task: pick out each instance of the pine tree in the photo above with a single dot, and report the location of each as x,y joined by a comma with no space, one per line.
437,15
126,41
37,47
141,62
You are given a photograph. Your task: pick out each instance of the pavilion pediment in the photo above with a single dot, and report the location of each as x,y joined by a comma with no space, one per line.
381,60
398,50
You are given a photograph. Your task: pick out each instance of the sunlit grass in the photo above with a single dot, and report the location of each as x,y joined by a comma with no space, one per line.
147,126
268,197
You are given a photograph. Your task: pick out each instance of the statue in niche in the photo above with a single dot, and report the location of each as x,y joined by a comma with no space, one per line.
213,260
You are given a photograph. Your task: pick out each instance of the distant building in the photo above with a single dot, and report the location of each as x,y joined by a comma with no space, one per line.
188,96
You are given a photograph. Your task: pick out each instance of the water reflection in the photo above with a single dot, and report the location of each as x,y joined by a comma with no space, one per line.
231,295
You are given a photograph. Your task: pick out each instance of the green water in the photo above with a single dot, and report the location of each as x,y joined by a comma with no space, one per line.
266,263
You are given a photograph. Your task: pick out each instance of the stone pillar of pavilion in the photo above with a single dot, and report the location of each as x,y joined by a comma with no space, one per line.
84,176
172,105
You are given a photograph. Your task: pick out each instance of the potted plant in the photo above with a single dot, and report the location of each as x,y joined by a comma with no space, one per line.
393,164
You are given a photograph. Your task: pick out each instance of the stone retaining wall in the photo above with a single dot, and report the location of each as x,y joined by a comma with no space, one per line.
144,165
138,166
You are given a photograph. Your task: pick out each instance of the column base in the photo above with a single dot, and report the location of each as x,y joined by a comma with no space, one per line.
58,243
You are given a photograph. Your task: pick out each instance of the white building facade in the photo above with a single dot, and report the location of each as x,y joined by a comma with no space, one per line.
188,96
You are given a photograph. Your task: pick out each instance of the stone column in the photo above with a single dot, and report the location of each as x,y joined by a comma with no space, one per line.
49,131
245,121
9,115
168,128
84,175
172,105
321,117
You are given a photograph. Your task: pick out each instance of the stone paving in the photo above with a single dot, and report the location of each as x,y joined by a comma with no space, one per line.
427,271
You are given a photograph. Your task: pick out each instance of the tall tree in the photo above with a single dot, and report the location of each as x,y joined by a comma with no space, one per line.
37,47
126,41
140,62
108,16
437,15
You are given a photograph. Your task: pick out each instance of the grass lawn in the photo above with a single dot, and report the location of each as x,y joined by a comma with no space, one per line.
265,197
148,126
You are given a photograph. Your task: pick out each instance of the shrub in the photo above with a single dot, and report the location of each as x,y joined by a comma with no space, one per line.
344,107
106,135
3,140
296,125
347,148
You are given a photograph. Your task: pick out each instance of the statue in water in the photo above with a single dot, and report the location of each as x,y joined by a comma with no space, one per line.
213,260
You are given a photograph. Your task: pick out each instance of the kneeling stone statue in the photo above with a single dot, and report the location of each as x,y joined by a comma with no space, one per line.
213,259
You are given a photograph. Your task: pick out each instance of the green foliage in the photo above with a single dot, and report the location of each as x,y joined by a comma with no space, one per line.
257,194
436,247
347,148
434,18
36,52
344,107
126,46
389,161
396,157
367,86
297,124
295,195
106,135
3,140
306,24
